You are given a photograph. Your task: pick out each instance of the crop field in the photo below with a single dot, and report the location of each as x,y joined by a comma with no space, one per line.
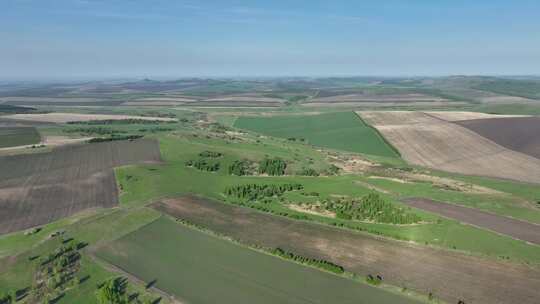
431,142
449,275
341,130
515,228
18,136
184,263
70,117
518,133
39,188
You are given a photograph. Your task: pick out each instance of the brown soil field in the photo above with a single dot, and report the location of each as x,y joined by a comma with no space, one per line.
460,116
39,188
520,134
504,225
427,141
68,117
450,276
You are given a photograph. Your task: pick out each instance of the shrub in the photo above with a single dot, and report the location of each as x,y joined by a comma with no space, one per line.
210,154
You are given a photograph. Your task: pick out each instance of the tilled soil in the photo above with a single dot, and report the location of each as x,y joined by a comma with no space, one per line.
504,225
36,189
431,142
520,134
448,275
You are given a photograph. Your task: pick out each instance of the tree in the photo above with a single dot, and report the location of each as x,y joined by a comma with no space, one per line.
112,292
6,298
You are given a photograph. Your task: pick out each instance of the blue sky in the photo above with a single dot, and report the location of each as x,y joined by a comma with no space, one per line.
163,38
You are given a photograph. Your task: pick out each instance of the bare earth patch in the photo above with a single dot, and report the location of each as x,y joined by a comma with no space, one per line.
68,117
39,188
450,276
434,143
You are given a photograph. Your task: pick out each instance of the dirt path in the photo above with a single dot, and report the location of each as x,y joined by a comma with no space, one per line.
448,275
504,225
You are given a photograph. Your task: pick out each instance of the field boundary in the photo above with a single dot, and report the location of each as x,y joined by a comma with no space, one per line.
378,134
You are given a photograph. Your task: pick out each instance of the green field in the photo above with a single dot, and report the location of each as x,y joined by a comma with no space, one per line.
18,136
199,268
341,130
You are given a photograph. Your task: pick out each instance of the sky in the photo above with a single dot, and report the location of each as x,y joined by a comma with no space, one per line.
92,39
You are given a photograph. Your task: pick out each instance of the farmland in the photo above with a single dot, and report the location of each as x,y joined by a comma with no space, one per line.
342,131
75,117
18,136
398,263
283,191
426,141
36,189
239,275
517,133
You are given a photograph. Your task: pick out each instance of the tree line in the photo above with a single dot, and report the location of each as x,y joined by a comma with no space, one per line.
254,192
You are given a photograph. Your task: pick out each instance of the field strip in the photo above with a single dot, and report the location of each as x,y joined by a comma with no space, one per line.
504,225
434,143
449,275
69,117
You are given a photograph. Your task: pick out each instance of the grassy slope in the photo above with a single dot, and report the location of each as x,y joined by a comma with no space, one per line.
18,136
184,263
151,182
340,130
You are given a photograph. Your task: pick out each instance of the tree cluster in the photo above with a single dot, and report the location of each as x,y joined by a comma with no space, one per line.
272,166
203,165
95,130
128,121
323,264
241,167
114,137
254,192
112,291
371,207
308,172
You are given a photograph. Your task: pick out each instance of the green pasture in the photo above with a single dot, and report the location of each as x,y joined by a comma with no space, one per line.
340,130
18,136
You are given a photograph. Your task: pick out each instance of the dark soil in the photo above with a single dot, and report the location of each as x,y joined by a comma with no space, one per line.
520,134
36,189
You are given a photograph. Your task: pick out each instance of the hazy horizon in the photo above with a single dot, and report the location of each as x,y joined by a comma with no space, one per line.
94,39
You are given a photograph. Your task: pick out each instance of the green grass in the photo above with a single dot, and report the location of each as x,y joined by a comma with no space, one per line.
522,88
514,109
142,184
92,228
18,136
341,130
200,268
